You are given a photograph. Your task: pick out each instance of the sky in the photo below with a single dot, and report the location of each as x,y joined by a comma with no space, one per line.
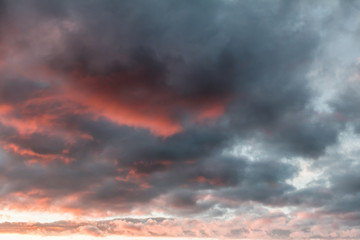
168,119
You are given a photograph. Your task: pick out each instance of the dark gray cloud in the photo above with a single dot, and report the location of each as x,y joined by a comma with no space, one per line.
18,90
128,104
213,61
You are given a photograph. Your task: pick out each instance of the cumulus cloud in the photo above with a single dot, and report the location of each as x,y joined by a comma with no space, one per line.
131,107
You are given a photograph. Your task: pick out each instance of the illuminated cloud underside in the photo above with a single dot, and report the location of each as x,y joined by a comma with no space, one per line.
148,119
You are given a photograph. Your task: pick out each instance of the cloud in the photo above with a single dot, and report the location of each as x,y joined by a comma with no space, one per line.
131,107
168,227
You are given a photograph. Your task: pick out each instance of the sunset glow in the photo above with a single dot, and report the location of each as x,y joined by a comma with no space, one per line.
179,119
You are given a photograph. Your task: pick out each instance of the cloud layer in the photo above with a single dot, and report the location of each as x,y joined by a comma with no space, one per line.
210,113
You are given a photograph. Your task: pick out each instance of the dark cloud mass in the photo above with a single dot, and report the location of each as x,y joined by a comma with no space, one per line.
196,110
